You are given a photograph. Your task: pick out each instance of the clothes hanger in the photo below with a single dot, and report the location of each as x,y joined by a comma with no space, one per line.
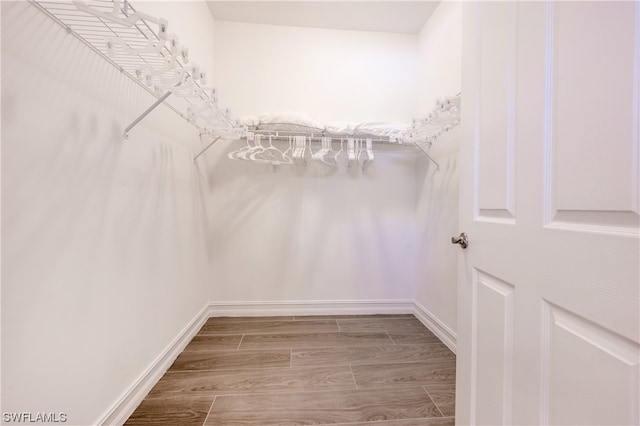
284,158
253,155
299,150
323,148
369,154
268,150
288,158
302,150
328,151
339,153
246,153
351,151
236,155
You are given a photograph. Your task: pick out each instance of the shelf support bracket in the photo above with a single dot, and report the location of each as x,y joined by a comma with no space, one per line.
207,147
428,156
144,114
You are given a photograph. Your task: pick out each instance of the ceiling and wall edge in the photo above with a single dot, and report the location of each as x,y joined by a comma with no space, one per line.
404,17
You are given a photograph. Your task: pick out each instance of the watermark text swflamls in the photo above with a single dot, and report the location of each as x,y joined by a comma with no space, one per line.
28,417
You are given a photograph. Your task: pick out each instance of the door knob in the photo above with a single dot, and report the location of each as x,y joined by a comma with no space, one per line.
462,240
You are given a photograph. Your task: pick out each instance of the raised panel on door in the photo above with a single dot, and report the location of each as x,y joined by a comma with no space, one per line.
495,145
590,374
592,156
493,349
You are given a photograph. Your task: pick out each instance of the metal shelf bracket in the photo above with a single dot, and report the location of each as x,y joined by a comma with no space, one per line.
145,113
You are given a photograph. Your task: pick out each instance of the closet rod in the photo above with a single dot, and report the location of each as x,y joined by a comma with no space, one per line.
317,136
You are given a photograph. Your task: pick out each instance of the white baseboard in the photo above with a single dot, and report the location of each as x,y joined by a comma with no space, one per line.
311,307
436,326
132,397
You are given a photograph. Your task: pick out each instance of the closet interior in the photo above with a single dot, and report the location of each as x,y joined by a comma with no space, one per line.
169,167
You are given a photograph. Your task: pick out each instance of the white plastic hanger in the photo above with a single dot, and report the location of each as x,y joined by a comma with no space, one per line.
289,151
369,154
299,150
339,153
323,149
328,152
238,154
267,154
351,151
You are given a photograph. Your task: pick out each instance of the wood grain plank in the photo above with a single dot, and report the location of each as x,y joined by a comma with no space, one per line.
243,365
225,360
360,355
232,320
314,340
209,383
263,327
413,337
322,407
389,324
422,373
444,395
213,343
171,412
432,421
337,317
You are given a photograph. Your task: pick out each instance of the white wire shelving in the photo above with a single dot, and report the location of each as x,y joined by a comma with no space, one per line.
140,46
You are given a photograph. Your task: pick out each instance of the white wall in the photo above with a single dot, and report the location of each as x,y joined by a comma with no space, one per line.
437,191
330,74
104,257
315,233
440,55
191,20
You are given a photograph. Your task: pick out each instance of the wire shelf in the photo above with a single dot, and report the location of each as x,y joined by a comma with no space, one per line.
111,40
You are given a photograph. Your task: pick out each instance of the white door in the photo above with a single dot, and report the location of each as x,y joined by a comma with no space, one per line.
548,316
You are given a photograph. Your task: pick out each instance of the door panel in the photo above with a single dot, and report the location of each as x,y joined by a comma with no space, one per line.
585,362
592,145
493,346
496,138
548,311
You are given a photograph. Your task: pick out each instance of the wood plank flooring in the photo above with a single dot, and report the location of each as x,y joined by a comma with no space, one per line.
386,370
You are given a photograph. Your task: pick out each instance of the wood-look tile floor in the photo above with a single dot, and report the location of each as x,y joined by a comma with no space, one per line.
386,370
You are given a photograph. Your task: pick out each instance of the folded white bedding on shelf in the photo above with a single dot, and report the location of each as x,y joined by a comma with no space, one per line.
295,122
